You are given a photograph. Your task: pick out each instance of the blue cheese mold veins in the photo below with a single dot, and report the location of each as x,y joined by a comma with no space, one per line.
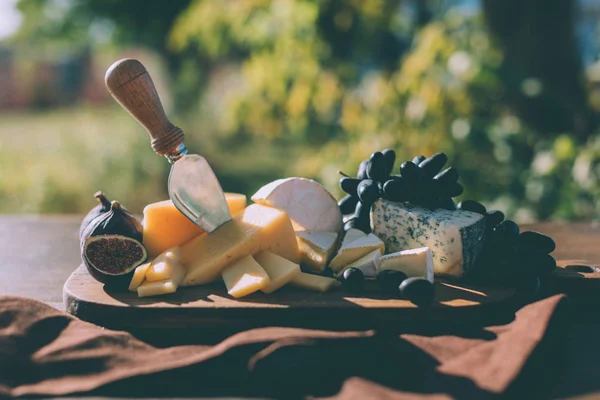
455,237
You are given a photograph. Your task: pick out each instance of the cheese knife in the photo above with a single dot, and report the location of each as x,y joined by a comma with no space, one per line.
193,186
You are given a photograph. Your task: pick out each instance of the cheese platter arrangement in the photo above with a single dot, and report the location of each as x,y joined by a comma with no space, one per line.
397,246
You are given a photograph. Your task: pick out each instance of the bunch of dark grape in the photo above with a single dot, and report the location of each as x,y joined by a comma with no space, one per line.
510,256
365,189
421,182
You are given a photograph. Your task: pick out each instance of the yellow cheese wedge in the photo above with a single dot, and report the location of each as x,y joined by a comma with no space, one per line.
355,245
367,264
280,270
316,248
251,231
166,227
245,277
164,266
138,276
161,287
313,282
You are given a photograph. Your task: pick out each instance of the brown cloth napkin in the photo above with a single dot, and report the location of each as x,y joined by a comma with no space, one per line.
47,352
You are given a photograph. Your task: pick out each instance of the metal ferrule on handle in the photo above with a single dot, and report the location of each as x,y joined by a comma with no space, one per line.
176,153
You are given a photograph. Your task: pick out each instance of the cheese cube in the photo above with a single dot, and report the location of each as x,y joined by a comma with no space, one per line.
280,270
355,245
413,262
138,276
244,277
316,248
161,287
164,266
367,264
166,227
455,238
251,231
316,283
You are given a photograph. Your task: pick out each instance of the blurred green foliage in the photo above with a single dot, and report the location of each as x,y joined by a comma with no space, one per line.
307,88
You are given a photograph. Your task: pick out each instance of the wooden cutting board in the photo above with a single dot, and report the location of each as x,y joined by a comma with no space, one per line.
211,307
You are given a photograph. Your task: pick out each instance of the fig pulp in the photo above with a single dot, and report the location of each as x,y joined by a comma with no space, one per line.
116,248
112,259
102,207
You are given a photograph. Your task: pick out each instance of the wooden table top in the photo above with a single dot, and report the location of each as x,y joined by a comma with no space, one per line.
38,253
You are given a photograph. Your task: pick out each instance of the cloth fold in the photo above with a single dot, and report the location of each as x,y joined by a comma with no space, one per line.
44,351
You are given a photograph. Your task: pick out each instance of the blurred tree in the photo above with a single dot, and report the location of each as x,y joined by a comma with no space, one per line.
542,69
343,78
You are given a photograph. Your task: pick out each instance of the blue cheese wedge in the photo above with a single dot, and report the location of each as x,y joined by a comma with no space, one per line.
415,263
355,245
367,264
455,238
316,248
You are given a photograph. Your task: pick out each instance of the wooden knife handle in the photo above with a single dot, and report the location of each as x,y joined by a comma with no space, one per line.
131,85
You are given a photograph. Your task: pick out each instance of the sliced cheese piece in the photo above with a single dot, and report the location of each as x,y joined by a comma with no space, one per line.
251,231
244,277
316,283
367,264
455,238
163,267
138,276
280,270
161,287
317,248
355,245
310,206
414,263
166,227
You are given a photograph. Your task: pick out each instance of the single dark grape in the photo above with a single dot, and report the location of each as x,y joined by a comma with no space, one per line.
389,280
368,192
376,167
395,189
447,176
390,158
417,160
538,261
536,240
493,218
473,206
362,218
353,279
507,228
362,170
434,164
347,204
349,185
410,171
453,190
417,290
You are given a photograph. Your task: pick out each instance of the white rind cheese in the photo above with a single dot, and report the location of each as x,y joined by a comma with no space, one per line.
415,263
356,244
309,205
367,264
316,248
455,238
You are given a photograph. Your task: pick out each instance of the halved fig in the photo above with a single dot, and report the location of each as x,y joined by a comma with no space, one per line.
112,259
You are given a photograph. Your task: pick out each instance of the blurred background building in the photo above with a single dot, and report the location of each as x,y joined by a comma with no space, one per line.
510,90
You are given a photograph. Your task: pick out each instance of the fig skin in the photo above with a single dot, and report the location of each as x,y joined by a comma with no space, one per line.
116,221
102,207
118,282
